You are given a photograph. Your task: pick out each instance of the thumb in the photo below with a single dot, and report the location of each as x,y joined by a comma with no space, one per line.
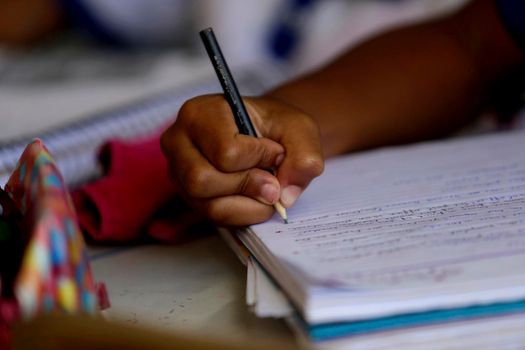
302,163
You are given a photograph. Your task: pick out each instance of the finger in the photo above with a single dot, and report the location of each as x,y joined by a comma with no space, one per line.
199,179
219,141
235,210
237,152
303,161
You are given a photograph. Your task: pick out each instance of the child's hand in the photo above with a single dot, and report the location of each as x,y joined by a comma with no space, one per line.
221,172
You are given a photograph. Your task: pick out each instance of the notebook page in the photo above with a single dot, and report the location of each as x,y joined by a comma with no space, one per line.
427,216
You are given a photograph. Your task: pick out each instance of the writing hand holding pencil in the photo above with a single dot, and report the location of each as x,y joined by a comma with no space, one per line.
221,167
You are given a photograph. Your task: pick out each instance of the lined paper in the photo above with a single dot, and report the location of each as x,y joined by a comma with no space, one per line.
410,245
446,215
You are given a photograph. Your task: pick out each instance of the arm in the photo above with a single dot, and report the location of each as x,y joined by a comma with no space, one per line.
413,83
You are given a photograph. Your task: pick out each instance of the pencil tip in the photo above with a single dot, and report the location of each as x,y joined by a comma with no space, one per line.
282,211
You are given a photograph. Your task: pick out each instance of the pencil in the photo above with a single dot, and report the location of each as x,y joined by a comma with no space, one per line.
231,94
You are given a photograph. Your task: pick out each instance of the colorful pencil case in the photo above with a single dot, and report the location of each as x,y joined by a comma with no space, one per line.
44,266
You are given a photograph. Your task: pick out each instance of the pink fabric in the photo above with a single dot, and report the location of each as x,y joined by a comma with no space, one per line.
135,196
9,313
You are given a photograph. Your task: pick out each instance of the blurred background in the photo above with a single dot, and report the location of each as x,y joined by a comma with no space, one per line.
64,60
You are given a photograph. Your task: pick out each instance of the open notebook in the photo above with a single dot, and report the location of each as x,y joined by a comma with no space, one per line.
404,236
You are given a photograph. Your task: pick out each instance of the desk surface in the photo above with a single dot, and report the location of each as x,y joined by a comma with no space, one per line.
195,287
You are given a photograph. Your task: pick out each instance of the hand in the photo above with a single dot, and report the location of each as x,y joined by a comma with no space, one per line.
221,172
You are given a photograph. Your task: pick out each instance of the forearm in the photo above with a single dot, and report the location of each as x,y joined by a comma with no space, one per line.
417,82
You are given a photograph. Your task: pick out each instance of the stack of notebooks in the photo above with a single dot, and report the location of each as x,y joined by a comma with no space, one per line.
420,245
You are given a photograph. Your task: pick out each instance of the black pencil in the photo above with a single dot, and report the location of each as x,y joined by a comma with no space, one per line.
231,93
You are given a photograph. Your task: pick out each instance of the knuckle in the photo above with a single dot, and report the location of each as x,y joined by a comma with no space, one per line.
202,104
194,107
187,111
311,165
305,122
309,123
266,155
196,181
242,187
226,155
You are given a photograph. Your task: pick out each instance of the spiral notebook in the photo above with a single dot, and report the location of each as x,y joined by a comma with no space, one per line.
75,145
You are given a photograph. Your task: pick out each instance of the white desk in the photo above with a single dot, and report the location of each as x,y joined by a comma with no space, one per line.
195,287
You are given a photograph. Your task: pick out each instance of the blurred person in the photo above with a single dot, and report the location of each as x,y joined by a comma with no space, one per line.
417,82
23,22
113,22
152,24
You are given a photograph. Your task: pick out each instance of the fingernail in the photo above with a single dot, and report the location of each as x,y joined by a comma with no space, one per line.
279,160
290,195
270,193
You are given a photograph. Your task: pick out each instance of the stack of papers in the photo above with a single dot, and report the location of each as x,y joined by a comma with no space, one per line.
402,246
